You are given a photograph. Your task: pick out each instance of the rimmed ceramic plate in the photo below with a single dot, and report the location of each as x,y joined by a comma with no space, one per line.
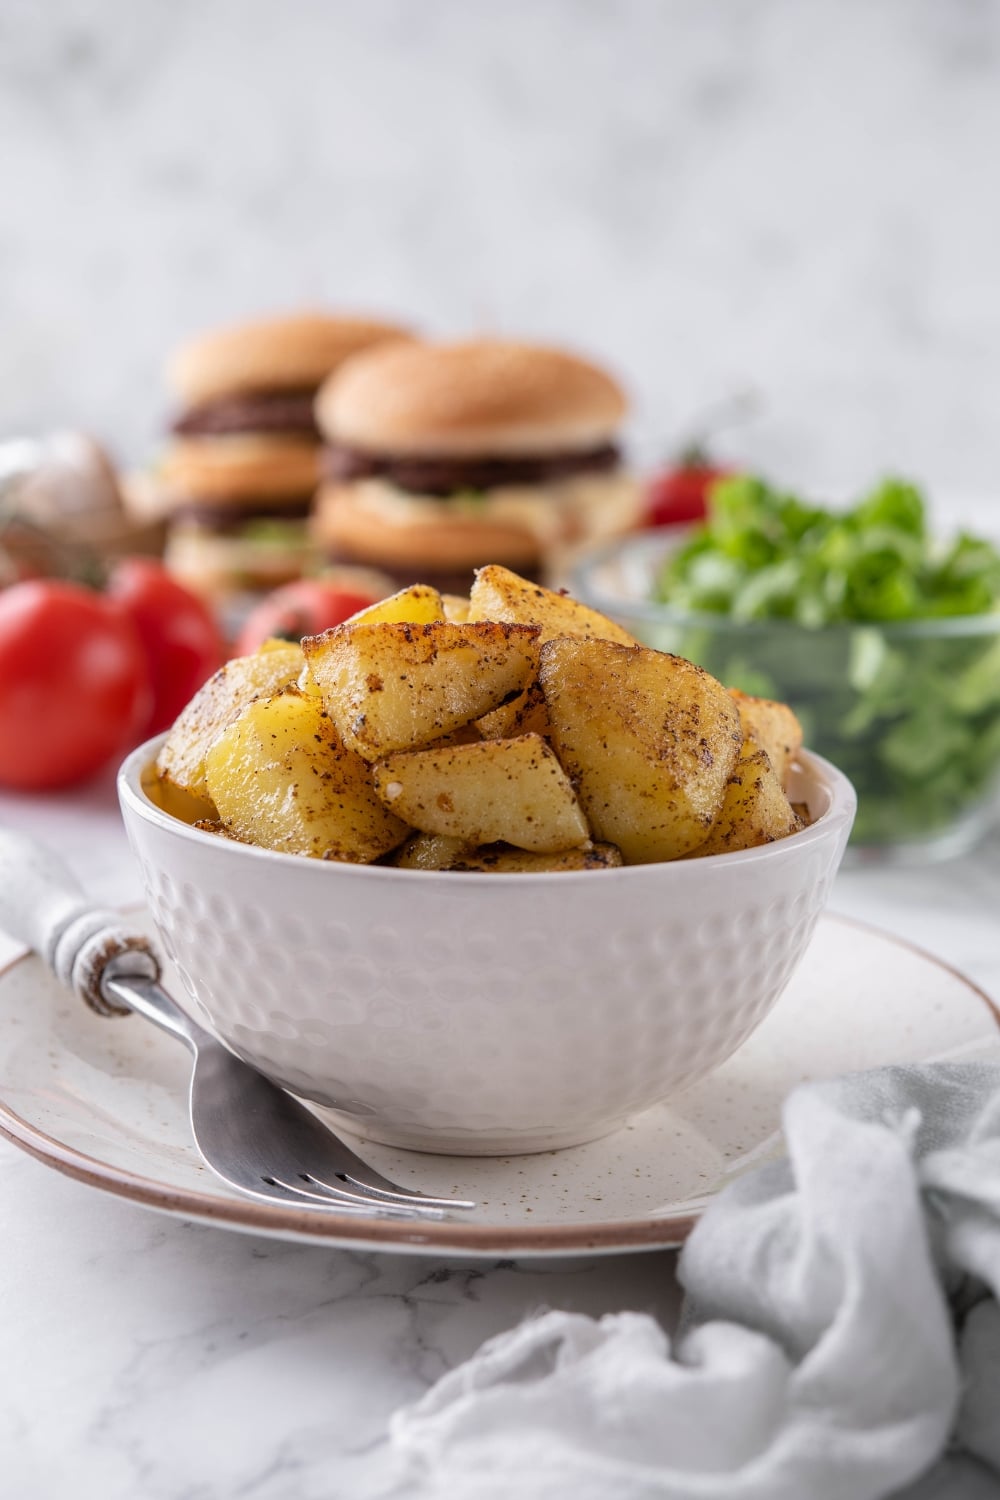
105,1102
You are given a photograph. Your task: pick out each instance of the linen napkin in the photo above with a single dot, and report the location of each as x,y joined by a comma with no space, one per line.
841,1327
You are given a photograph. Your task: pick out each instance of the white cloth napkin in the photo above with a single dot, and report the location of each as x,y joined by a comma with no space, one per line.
841,1327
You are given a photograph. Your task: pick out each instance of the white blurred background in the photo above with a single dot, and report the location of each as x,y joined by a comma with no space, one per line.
803,199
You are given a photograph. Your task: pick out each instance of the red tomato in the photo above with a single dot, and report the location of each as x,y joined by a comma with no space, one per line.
303,608
74,689
179,634
680,494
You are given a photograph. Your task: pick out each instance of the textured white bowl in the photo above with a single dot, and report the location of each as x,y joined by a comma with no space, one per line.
484,1014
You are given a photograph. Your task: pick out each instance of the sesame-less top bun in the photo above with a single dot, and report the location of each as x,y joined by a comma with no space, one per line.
483,397
293,353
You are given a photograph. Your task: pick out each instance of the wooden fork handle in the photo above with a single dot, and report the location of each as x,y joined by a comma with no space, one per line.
43,906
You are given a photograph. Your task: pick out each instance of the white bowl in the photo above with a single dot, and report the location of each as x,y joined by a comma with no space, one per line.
476,1013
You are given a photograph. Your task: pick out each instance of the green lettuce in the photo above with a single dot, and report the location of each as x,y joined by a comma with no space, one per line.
910,710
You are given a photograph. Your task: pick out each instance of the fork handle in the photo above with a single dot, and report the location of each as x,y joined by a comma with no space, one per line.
43,906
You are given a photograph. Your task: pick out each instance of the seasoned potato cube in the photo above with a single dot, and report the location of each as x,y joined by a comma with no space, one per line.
399,686
499,594
754,808
465,734
307,684
181,761
456,608
280,778
501,860
417,605
773,726
174,800
213,825
428,851
649,741
275,643
514,790
526,715
432,851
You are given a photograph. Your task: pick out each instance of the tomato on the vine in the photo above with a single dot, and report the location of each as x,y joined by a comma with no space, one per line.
179,633
306,607
74,684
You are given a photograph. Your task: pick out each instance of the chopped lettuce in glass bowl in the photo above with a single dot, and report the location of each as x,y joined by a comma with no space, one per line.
884,638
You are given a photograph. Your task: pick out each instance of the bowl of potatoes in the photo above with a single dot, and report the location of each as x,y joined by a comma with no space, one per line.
482,875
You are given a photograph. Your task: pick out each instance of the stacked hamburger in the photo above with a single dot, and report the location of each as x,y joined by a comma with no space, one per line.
236,483
440,458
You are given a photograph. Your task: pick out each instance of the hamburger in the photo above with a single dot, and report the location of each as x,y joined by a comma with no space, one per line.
237,479
440,458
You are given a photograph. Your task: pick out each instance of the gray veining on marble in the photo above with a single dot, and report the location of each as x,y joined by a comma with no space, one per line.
181,1361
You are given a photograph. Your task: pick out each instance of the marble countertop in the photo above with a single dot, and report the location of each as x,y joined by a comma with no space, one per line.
178,1360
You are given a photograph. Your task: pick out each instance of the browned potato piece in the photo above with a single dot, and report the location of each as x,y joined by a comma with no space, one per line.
501,860
181,761
514,790
306,684
526,715
431,851
773,726
754,809
174,800
465,734
417,605
649,741
212,825
499,594
398,686
274,643
280,778
456,608
428,851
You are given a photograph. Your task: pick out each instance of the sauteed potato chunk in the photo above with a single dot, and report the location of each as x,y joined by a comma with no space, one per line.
429,851
397,686
181,761
754,807
526,715
417,605
281,778
514,790
650,752
773,727
499,594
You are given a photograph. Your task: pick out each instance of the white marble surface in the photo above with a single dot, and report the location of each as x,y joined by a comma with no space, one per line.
176,1361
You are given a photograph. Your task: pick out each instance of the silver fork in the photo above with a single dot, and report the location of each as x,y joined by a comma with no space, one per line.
253,1134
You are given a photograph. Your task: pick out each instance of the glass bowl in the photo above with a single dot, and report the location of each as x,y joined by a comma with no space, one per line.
910,711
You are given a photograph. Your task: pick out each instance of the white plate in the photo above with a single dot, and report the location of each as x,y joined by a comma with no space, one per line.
105,1101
